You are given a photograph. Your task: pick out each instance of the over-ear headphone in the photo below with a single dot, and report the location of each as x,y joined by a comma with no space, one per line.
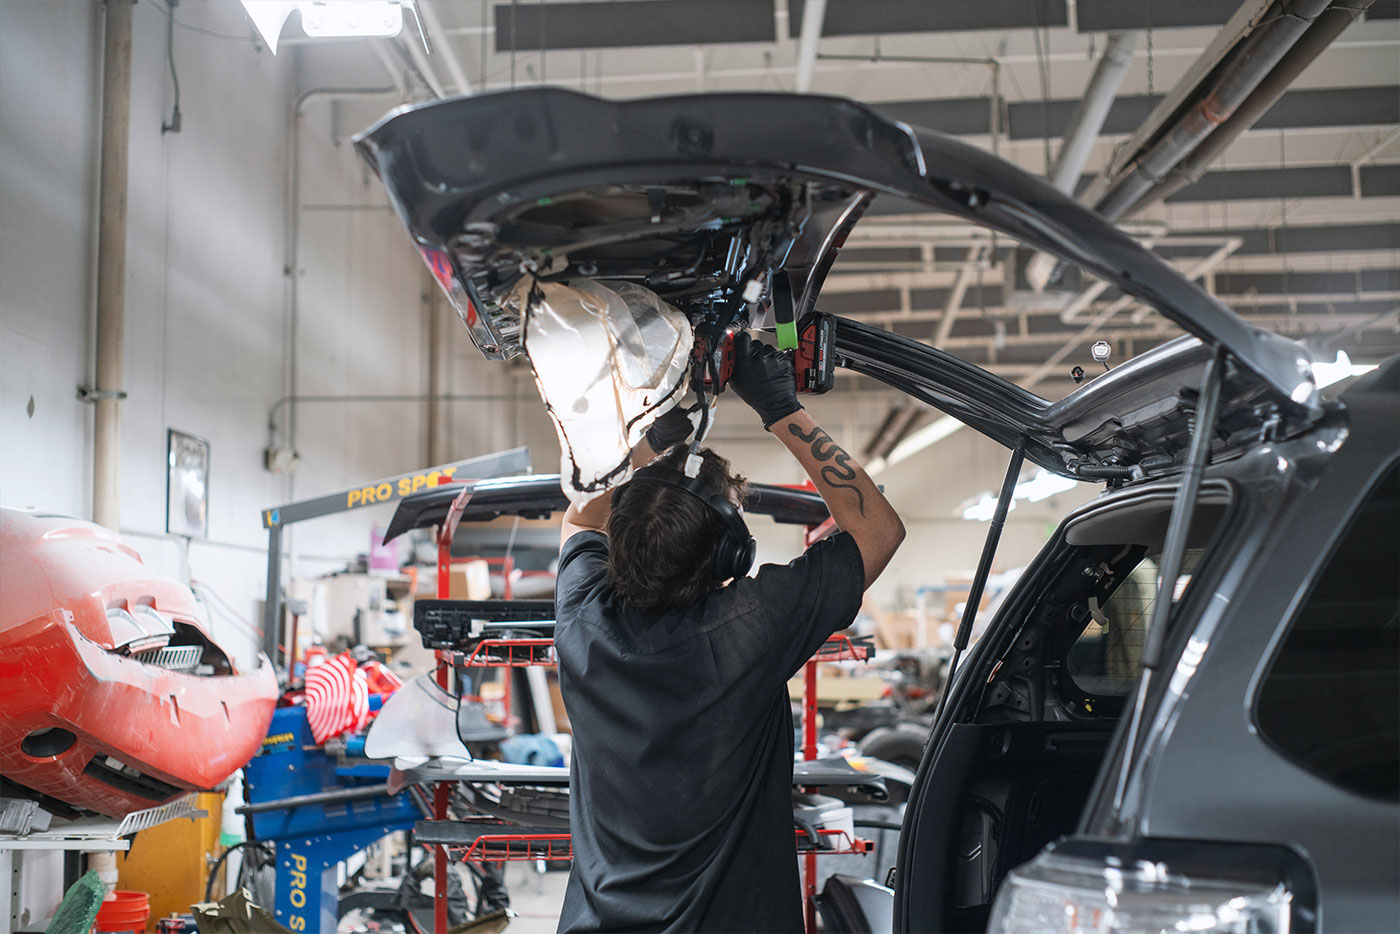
734,552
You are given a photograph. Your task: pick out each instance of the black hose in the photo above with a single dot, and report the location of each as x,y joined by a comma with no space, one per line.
878,825
209,880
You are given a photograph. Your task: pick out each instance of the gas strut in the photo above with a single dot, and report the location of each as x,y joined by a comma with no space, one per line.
1173,548
984,567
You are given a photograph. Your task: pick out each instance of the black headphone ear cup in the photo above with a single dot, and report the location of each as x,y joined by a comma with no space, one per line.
745,557
734,555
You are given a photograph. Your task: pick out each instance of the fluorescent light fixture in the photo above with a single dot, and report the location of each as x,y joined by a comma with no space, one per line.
328,18
1328,373
984,508
1043,485
916,441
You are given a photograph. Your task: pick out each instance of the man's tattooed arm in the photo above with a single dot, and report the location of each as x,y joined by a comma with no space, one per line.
840,472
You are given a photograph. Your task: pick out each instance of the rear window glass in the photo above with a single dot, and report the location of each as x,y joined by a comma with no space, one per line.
1331,699
1105,659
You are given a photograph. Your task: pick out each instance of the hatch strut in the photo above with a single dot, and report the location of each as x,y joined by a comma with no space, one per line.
1173,548
984,567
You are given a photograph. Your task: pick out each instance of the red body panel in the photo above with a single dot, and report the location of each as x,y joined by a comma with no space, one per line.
60,669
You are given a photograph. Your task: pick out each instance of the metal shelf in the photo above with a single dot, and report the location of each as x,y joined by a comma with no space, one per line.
840,648
539,650
101,833
469,841
833,843
506,653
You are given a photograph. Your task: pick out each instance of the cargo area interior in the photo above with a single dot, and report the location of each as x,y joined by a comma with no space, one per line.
1019,764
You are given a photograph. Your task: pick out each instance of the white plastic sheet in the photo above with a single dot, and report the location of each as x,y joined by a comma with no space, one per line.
609,358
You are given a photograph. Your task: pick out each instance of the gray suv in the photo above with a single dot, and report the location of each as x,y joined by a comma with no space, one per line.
1184,718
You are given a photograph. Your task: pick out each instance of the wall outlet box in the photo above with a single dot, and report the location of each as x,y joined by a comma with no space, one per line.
280,460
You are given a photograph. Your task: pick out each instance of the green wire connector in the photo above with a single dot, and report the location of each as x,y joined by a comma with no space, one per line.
787,335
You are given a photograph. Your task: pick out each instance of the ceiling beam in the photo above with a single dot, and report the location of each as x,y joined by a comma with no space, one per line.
877,17
533,27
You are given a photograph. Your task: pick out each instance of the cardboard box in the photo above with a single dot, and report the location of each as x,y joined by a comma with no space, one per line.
895,631
561,716
470,580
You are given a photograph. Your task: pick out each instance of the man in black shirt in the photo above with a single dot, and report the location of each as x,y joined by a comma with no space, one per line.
675,682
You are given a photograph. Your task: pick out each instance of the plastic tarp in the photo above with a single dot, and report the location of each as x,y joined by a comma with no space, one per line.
609,358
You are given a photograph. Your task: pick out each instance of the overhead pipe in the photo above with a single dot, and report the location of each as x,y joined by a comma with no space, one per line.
111,265
1251,61
813,17
1082,131
1087,120
1324,30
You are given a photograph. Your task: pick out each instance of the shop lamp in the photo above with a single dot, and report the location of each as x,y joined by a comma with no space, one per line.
328,18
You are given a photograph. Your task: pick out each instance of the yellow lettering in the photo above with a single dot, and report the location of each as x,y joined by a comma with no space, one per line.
353,498
447,472
300,862
298,923
385,492
419,482
298,896
406,486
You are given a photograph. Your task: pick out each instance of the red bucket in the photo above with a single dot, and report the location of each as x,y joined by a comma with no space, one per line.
124,911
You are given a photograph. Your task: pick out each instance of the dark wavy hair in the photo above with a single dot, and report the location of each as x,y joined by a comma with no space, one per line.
661,540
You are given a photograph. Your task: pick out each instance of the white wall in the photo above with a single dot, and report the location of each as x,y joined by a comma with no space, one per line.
207,302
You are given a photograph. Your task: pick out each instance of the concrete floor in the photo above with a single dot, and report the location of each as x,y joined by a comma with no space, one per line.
535,898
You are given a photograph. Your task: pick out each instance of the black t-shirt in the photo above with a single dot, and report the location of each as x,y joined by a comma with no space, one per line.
680,800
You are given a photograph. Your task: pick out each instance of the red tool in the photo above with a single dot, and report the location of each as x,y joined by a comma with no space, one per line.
712,357
814,360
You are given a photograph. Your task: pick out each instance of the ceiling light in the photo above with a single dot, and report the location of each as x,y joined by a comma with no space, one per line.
328,18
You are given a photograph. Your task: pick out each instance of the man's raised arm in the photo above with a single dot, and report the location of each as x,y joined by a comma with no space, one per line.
763,378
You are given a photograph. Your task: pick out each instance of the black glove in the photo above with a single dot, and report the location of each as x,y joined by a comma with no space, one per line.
668,430
764,378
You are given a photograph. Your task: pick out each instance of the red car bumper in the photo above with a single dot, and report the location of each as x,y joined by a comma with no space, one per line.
141,734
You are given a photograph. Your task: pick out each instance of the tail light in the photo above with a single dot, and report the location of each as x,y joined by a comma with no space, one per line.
1092,887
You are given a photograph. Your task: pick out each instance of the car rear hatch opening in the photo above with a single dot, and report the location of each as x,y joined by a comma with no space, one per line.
733,207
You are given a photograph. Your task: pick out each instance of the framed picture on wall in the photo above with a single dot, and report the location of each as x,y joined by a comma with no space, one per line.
186,485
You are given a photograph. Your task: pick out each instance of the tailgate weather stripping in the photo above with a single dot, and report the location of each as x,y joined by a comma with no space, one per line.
1173,549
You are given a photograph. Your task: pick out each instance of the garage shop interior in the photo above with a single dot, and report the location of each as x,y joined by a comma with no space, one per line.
700,465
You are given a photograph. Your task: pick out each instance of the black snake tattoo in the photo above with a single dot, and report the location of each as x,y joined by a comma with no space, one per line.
837,474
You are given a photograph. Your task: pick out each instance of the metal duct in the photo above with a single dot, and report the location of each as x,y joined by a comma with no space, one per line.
1324,30
1228,87
1086,122
1082,131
